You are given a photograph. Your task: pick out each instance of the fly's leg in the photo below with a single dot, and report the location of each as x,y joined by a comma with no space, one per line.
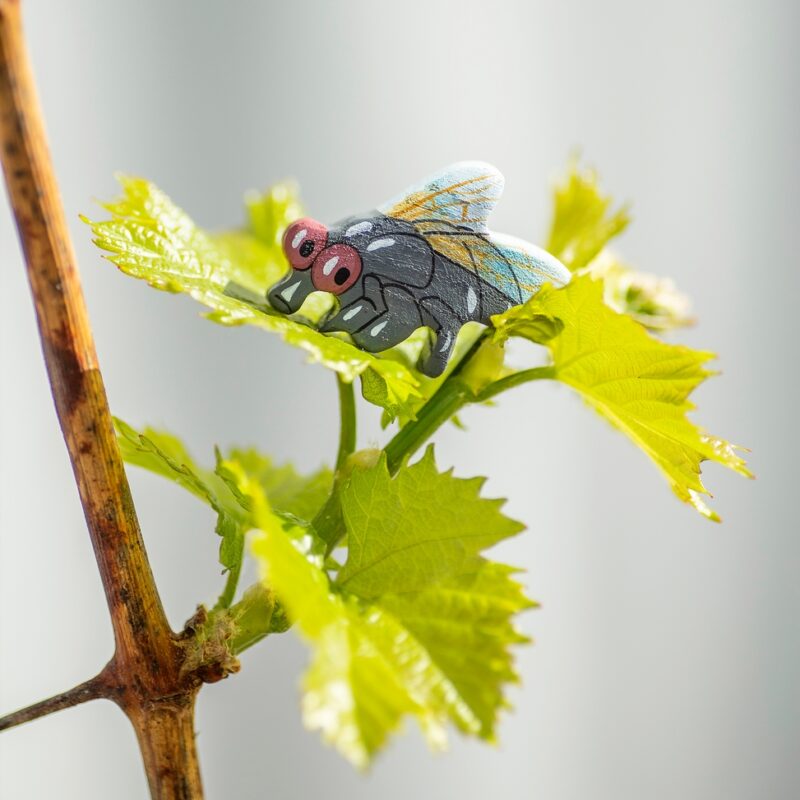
401,318
446,325
360,312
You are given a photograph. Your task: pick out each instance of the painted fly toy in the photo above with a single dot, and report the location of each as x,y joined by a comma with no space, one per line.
425,258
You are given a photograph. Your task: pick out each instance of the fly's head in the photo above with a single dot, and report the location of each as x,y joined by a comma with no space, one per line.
319,261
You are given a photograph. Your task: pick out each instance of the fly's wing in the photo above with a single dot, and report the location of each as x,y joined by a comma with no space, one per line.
513,266
463,194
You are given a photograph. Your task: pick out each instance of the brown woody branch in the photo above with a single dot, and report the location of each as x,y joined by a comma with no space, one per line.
89,690
145,675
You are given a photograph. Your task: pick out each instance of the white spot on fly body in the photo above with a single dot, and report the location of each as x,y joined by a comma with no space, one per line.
289,291
472,300
448,337
359,227
298,237
330,265
379,243
351,313
378,328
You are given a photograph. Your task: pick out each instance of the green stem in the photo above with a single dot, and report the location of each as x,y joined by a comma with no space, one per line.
255,616
449,398
515,379
232,581
327,522
446,401
347,430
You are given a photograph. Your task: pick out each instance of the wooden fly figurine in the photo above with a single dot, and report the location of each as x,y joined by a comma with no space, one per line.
425,258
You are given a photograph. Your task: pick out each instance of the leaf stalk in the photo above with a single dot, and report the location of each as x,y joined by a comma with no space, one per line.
515,379
451,396
347,427
231,582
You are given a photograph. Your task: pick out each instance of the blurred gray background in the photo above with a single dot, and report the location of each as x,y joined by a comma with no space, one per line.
667,648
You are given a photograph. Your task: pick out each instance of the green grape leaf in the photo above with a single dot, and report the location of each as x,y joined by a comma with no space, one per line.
401,535
150,238
270,213
294,495
286,490
583,222
464,623
417,623
165,455
637,382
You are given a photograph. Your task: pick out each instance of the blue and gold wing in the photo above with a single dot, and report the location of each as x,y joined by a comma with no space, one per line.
515,267
463,194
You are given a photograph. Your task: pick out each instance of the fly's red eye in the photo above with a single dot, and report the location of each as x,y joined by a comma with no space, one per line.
336,268
303,241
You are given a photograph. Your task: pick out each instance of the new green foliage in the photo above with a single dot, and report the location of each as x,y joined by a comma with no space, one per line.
150,238
583,224
416,623
583,220
408,618
637,382
408,531
165,455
